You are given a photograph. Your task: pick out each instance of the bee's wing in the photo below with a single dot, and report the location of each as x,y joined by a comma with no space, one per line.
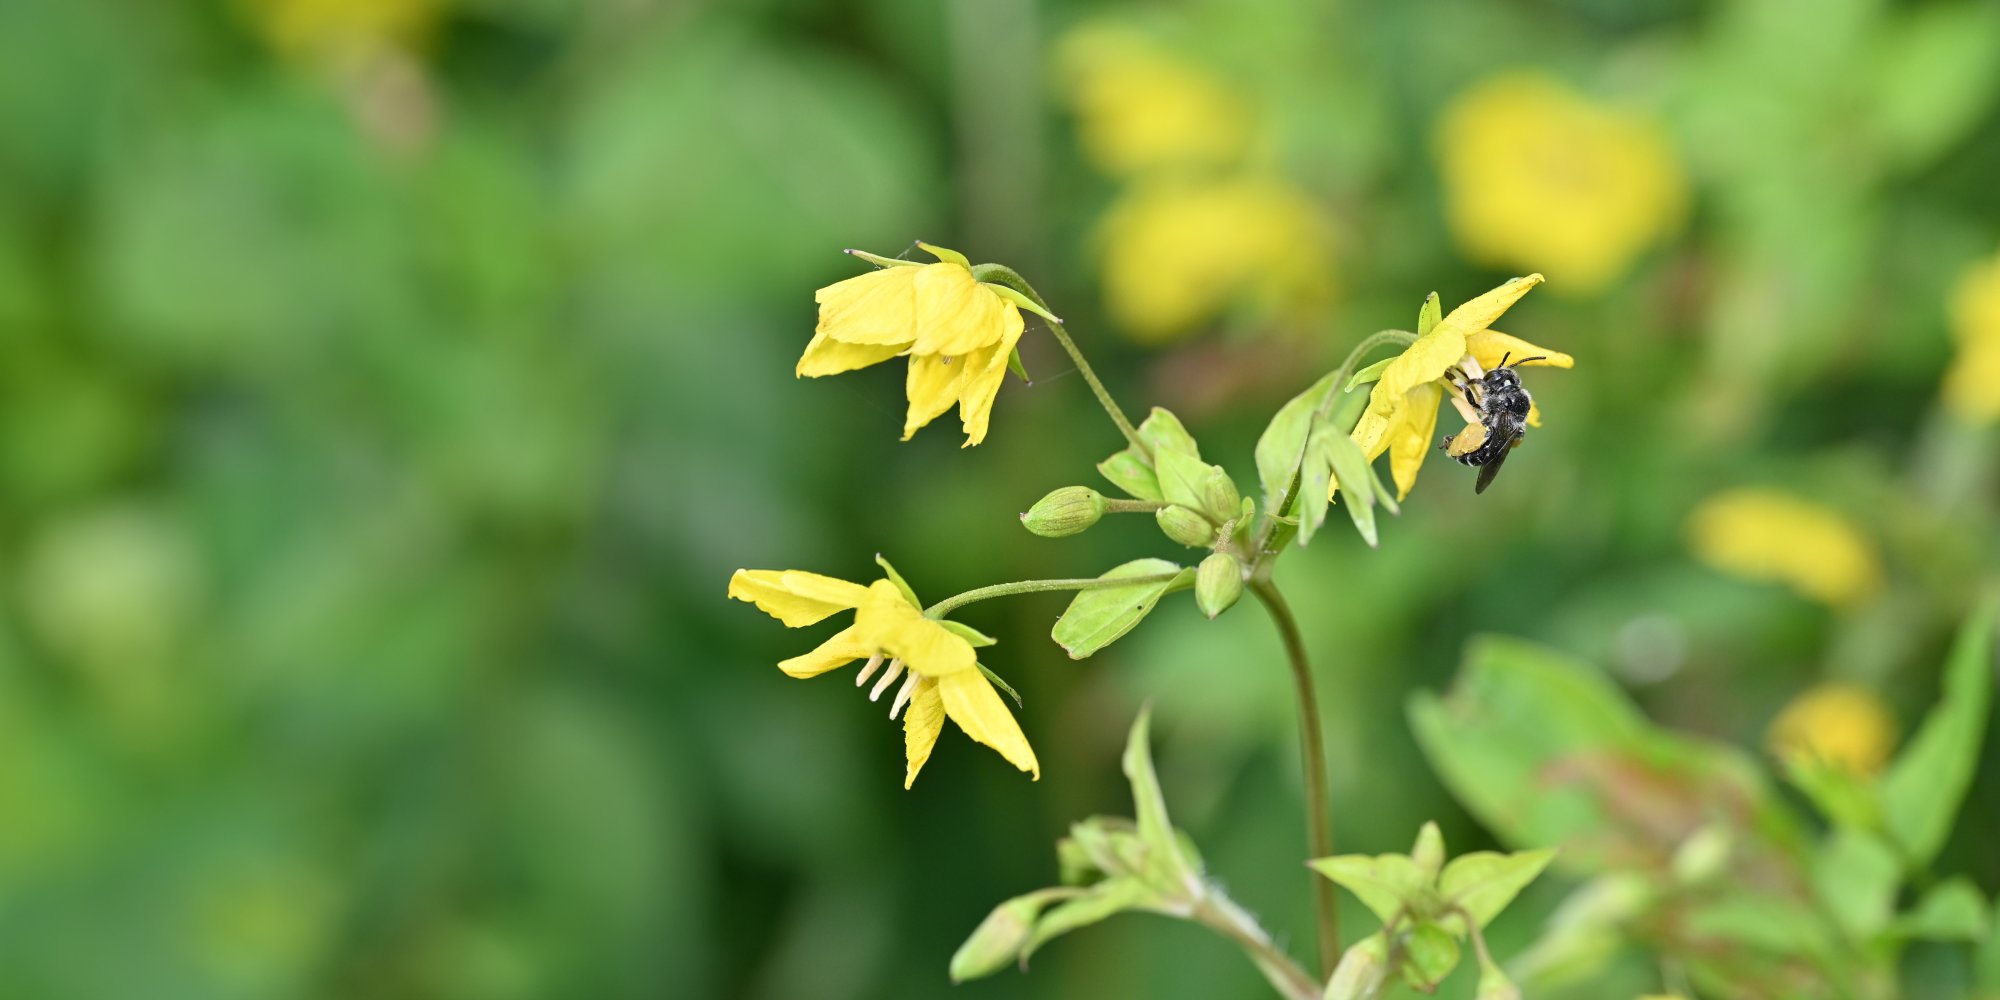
1512,440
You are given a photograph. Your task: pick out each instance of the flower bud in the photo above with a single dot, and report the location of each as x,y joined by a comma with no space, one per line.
1066,511
1218,583
1361,971
1186,527
1494,984
1219,497
997,940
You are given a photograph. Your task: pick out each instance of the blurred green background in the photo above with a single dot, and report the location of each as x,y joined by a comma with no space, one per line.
390,387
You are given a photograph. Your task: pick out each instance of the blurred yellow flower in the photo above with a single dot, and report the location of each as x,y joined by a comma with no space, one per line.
1177,252
329,31
944,679
1843,725
1768,535
1403,408
1139,106
1537,175
1972,385
957,331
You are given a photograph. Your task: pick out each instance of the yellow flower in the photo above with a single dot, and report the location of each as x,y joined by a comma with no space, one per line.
1844,725
1178,252
1768,535
1403,408
329,31
957,331
1972,386
1538,176
1140,107
944,679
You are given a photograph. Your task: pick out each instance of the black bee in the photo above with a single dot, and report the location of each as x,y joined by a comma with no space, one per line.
1503,404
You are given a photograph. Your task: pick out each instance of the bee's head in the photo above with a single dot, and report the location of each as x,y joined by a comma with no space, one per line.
1503,378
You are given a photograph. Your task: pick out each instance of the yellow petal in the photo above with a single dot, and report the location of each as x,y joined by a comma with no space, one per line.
1972,383
827,356
1479,313
985,369
887,622
1534,414
1421,362
932,386
1845,725
956,315
1769,535
794,597
972,703
1490,347
846,646
879,307
923,719
1409,435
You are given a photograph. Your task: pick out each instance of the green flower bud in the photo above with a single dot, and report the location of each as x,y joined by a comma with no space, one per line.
1218,583
998,939
1429,853
1362,969
1429,953
1186,527
1494,984
1066,511
1219,497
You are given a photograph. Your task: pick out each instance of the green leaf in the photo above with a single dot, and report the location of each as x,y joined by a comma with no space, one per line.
1856,876
1952,911
1429,314
1165,866
1183,478
1109,897
1282,446
1429,954
1129,472
1935,76
1841,795
1922,791
1546,750
1097,618
1484,882
1162,431
1372,373
1385,883
1357,482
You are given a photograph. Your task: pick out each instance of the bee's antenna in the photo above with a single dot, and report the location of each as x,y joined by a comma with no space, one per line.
1504,357
1523,361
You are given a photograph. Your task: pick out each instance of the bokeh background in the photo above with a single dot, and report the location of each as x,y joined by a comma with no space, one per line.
390,386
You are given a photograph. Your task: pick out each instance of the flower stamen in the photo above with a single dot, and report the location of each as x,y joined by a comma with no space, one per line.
903,695
888,677
868,670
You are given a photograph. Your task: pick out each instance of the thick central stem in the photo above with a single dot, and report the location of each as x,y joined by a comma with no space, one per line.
1312,747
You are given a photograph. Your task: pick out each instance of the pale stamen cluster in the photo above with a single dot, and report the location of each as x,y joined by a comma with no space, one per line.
888,677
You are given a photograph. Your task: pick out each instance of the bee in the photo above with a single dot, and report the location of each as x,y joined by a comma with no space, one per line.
1501,403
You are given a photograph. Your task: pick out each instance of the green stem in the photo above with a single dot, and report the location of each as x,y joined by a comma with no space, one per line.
956,601
1312,739
1226,918
1111,409
1114,505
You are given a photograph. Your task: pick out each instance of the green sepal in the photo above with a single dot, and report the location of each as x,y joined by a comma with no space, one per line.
1429,314
1015,296
1001,684
947,255
1014,365
1372,373
880,261
968,633
897,579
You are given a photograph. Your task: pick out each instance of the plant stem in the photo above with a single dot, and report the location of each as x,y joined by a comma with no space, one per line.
956,601
1220,914
1061,331
1312,740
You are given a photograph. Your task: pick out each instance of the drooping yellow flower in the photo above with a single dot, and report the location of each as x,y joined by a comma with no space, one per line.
943,676
1768,535
1844,725
957,331
1140,107
1180,251
1539,176
1403,408
1972,385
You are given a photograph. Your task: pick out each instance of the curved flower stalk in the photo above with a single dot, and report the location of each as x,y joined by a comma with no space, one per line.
958,324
